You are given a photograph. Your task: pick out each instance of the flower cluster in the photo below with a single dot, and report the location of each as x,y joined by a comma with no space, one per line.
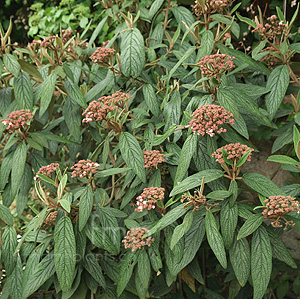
272,29
102,55
196,200
279,205
153,158
235,152
84,168
48,170
134,239
209,118
215,65
50,219
211,6
149,197
17,119
118,97
97,111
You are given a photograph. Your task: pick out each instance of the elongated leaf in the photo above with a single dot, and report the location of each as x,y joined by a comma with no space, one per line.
17,172
279,249
144,270
11,64
228,221
109,172
92,266
127,264
239,255
97,31
182,14
132,154
75,93
251,225
159,139
151,99
85,206
6,215
40,274
172,111
214,239
219,194
132,53
167,219
261,262
278,83
64,252
207,43
46,93
30,69
283,159
15,280
23,91
186,154
195,180
262,184
9,244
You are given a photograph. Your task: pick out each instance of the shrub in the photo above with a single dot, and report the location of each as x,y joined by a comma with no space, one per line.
163,116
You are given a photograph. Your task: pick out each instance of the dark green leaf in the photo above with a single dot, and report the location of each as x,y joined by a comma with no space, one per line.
9,244
132,154
23,91
5,215
151,99
11,64
30,69
111,171
92,266
251,225
144,270
64,252
85,206
261,262
75,93
283,159
219,194
46,93
207,43
214,238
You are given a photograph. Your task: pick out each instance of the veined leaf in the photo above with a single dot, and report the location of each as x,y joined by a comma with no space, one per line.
283,159
214,239
23,91
144,270
9,244
251,225
64,252
85,206
75,93
47,90
92,266
151,99
11,64
261,262
207,43
6,215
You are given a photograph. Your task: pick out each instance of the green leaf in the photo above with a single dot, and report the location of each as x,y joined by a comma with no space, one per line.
97,31
6,215
186,154
92,266
181,229
155,6
246,20
109,172
214,239
30,69
261,262
75,93
15,280
218,194
65,204
11,64
244,58
251,225
18,169
167,219
64,252
262,184
207,44
228,221
239,254
159,139
39,275
295,47
283,159
279,249
85,206
182,14
132,154
278,82
144,270
23,91
9,244
233,188
296,139
127,264
172,111
195,180
151,99
46,92
132,53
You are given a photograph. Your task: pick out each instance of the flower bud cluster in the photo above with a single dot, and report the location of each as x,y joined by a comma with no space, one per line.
279,205
211,6
118,97
235,152
153,158
84,168
102,54
272,29
17,119
209,118
215,65
50,219
97,111
48,170
134,239
149,197
196,200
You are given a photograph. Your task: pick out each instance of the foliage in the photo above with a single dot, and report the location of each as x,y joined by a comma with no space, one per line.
87,139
